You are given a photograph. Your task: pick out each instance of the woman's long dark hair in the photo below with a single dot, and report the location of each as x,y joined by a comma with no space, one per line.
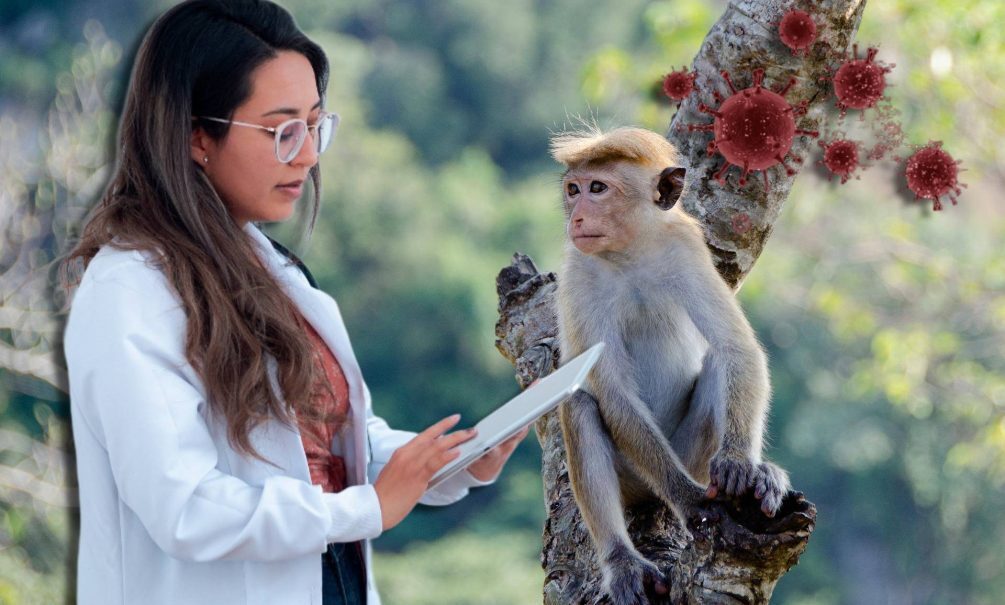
197,60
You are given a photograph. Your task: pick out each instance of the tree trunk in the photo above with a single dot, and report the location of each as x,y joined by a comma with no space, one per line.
731,553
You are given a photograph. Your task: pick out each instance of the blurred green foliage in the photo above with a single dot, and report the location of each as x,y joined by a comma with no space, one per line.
463,568
885,349
884,322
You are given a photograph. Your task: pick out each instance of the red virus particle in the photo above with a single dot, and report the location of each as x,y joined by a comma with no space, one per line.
841,158
860,83
797,31
741,223
679,84
931,173
753,128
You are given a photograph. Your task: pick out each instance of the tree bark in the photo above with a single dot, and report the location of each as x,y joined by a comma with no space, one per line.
746,38
730,553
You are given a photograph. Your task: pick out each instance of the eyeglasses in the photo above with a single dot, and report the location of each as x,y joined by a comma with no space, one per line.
290,135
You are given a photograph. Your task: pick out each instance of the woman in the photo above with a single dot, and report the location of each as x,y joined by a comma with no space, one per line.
223,431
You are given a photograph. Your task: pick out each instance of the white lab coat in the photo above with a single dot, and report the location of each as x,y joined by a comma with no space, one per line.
170,514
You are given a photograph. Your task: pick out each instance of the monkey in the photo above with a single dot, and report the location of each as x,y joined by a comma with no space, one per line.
675,407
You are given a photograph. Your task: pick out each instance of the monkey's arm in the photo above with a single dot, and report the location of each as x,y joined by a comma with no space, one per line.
734,376
733,384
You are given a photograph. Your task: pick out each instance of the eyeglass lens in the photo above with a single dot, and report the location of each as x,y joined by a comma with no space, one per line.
291,136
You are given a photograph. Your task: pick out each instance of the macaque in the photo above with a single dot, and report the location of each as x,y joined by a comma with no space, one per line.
675,408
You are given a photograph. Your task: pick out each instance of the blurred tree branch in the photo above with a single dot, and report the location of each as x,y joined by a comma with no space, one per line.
44,193
40,473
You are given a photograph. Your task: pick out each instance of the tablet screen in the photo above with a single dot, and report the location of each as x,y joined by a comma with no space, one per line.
525,408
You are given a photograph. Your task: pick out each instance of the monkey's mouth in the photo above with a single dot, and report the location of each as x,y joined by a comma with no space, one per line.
585,236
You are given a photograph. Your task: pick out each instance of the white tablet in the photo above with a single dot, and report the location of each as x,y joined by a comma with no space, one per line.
528,406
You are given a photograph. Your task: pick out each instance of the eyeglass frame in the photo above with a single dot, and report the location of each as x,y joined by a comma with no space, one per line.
275,130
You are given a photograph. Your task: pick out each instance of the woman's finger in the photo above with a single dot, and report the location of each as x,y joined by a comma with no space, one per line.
441,459
451,440
430,434
427,455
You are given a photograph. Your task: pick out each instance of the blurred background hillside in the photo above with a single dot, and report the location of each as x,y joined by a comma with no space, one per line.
884,321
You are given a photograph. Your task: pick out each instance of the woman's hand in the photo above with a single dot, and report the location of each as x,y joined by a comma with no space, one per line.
406,475
488,466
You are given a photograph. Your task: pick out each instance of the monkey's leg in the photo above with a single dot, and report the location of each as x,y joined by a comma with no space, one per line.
696,438
629,578
641,441
732,464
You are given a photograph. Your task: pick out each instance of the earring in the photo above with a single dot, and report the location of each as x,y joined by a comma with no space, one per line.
205,159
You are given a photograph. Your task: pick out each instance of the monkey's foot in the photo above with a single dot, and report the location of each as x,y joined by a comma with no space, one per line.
770,484
631,579
729,474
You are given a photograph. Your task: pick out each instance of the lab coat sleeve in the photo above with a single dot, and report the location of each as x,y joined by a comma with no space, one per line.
124,350
383,440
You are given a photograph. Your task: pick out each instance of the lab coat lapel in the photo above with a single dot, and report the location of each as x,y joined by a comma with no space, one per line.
323,314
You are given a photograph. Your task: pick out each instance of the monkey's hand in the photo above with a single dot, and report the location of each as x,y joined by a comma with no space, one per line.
731,473
771,483
631,579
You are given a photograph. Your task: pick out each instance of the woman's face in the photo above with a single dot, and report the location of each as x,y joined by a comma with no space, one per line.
242,166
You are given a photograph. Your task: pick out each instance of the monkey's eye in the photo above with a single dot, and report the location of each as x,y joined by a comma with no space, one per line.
572,188
597,187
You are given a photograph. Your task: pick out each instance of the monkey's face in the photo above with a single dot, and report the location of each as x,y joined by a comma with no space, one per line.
603,207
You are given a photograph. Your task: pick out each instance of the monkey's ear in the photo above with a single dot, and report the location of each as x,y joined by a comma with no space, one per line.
669,187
